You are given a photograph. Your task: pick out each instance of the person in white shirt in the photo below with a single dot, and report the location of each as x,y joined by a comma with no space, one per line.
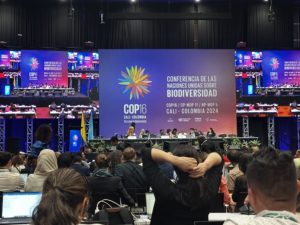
272,190
9,181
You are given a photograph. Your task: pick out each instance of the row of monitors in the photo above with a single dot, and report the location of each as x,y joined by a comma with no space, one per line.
77,61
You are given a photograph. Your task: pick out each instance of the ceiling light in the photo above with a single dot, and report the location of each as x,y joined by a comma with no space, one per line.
197,1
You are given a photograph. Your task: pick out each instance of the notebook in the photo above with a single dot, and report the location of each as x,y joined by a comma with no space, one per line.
17,207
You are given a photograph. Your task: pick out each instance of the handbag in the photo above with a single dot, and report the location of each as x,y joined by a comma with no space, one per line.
113,213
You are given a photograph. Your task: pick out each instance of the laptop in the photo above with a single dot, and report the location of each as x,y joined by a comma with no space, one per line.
17,207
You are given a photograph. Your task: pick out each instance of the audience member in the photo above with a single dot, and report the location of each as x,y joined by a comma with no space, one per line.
189,198
115,158
234,157
43,137
114,141
64,160
46,163
131,173
78,165
206,148
103,185
64,200
30,164
9,181
240,186
17,164
272,189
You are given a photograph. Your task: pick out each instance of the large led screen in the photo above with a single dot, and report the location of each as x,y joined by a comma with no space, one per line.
44,68
281,68
161,89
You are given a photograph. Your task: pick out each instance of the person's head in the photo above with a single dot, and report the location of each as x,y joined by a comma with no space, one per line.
245,159
5,159
64,199
77,158
46,162
17,160
234,156
195,194
272,181
133,125
174,131
114,140
129,154
130,131
186,151
102,161
115,158
44,133
64,160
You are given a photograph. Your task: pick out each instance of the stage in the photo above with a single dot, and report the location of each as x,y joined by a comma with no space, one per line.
39,101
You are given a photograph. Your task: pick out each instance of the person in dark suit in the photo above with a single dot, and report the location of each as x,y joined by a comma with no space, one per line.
103,185
79,167
132,174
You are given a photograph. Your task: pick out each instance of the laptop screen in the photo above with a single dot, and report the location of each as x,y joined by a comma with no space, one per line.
19,204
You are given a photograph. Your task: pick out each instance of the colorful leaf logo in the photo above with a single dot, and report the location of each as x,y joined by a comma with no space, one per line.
34,63
274,63
135,81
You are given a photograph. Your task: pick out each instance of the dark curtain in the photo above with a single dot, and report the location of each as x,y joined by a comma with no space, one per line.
46,24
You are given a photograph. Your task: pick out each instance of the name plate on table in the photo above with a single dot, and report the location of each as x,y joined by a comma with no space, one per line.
181,136
165,137
131,137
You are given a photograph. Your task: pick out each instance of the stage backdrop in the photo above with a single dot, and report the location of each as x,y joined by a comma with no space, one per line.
281,67
160,89
44,67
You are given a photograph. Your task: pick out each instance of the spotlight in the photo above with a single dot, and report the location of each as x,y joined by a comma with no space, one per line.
197,1
102,19
132,1
266,0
